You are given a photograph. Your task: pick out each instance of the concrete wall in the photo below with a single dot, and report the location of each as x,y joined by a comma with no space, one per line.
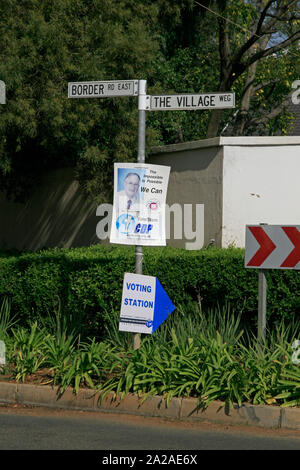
260,184
240,181
56,215
195,178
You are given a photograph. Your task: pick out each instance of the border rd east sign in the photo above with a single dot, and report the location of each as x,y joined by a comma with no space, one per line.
109,88
272,246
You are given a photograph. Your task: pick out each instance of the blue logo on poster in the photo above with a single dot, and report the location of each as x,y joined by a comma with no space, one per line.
125,223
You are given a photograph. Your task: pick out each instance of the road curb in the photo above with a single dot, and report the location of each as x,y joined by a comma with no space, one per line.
184,409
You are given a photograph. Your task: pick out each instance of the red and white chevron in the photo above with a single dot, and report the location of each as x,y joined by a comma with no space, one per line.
272,246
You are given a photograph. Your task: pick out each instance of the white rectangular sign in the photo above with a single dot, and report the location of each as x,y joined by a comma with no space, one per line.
103,89
2,92
145,304
190,101
138,301
140,191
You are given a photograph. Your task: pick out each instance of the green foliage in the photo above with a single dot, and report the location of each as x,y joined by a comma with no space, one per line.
173,45
209,368
7,320
28,351
87,366
202,354
45,45
59,350
80,289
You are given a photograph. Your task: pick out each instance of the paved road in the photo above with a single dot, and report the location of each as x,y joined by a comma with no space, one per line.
40,429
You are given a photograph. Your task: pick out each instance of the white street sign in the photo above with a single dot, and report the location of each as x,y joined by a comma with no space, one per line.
2,93
190,101
103,89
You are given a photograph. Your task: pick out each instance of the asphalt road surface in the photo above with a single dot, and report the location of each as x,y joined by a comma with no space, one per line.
45,429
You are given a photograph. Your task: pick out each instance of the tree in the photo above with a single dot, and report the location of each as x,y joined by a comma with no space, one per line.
264,20
177,46
45,45
227,46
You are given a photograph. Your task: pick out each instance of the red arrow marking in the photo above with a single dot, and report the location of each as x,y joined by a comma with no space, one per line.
294,256
266,246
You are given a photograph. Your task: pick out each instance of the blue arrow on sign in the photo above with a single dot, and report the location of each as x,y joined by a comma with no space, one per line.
163,306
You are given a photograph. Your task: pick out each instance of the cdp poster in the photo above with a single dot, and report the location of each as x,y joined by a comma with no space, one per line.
140,191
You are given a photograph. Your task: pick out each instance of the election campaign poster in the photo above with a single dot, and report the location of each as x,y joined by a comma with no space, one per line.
138,216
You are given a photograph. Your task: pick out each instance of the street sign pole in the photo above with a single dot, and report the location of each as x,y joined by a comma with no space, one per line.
270,247
140,159
262,306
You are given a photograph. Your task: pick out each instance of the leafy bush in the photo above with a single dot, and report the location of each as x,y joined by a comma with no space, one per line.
199,354
28,351
87,282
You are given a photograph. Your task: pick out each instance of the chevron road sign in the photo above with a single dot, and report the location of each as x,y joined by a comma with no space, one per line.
272,246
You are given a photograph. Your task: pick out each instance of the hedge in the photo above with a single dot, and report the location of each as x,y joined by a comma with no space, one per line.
88,282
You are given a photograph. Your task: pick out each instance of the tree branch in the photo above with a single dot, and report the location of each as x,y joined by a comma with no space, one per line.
271,50
274,113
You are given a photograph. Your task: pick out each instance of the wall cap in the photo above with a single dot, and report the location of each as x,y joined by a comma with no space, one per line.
228,141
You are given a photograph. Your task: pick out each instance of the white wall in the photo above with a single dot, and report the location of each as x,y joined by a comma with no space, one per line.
261,184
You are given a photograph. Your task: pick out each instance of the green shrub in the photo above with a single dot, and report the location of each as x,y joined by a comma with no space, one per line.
88,283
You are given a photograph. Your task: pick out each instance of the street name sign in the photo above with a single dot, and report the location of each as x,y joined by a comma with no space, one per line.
272,246
103,89
2,92
145,304
189,101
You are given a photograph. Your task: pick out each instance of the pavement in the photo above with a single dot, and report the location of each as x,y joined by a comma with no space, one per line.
184,409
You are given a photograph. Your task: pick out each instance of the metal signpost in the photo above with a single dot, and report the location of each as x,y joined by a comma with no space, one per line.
110,89
140,159
185,102
270,247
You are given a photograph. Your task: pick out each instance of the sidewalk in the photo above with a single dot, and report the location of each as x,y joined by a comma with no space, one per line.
179,408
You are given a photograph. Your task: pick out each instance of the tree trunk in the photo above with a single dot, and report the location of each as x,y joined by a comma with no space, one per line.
245,104
248,92
214,123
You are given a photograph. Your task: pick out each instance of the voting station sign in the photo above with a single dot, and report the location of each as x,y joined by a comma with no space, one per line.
190,101
103,89
145,304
